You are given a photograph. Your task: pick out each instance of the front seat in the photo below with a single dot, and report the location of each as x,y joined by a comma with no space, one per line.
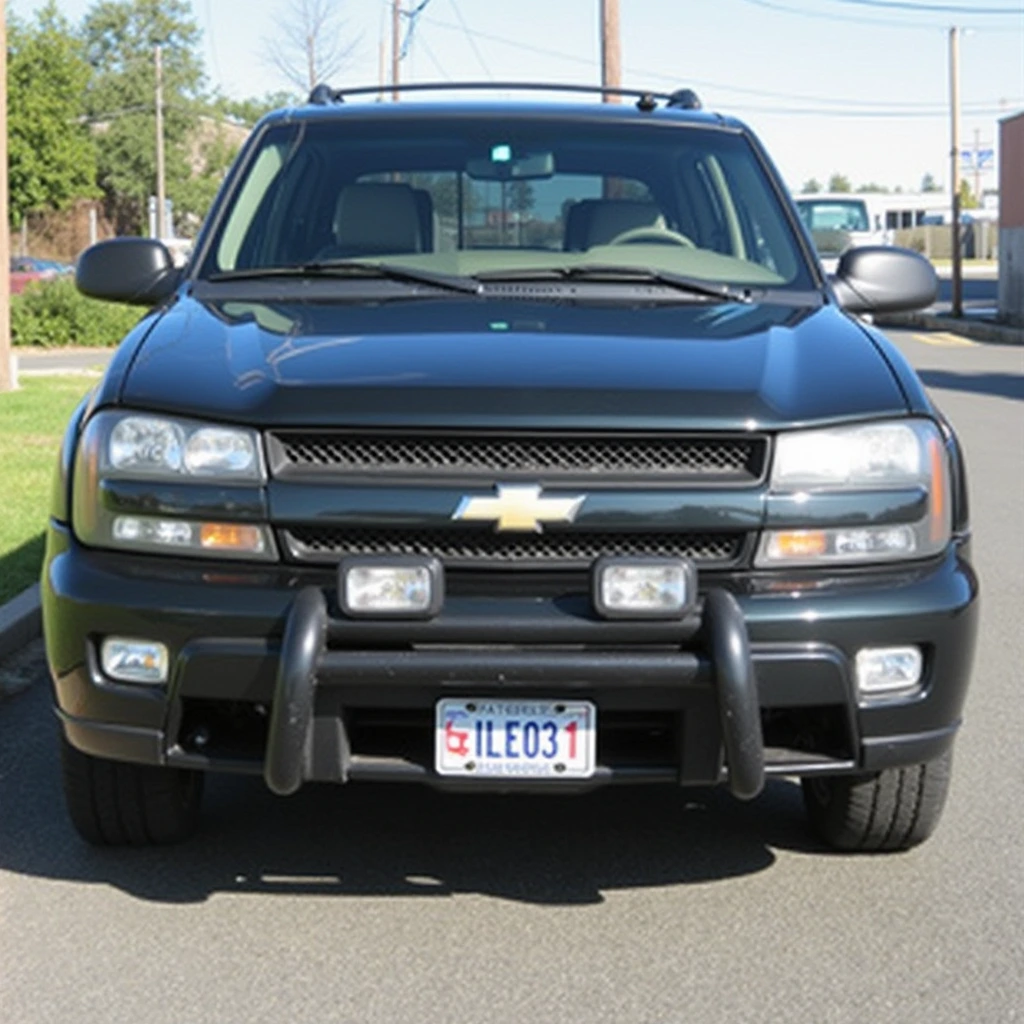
593,222
375,219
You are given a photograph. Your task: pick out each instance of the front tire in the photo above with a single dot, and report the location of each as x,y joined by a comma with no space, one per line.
112,803
894,809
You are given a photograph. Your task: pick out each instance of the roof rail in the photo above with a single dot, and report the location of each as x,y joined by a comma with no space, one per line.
647,100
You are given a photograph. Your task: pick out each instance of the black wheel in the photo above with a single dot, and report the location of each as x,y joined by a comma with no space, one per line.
893,809
117,804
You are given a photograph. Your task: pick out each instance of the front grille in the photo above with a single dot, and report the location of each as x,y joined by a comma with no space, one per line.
736,460
485,549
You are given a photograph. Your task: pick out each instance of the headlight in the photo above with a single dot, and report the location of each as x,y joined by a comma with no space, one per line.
172,448
137,485
879,455
897,456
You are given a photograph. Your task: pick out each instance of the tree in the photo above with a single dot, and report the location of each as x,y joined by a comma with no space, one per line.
306,47
51,155
212,146
120,39
521,199
968,200
839,183
811,186
249,111
872,186
929,184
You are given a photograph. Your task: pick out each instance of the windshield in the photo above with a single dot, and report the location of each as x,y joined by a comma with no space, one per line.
834,214
467,196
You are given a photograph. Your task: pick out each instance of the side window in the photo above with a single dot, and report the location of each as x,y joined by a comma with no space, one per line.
243,218
725,235
765,237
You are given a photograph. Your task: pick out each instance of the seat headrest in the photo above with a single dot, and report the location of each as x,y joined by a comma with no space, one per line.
376,218
593,222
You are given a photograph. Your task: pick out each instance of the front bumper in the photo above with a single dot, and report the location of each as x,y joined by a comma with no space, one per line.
268,677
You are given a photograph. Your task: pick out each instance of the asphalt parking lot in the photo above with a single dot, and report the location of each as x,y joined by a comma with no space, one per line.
653,906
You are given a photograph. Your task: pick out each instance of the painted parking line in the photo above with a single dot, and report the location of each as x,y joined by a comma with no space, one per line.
945,339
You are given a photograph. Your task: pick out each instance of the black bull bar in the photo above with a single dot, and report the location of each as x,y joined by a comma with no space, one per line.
306,661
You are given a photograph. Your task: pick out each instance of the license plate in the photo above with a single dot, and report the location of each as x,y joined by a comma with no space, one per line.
516,738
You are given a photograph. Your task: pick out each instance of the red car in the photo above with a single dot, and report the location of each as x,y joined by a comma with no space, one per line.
26,269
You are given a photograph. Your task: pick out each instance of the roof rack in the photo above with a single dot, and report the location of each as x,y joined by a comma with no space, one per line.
646,99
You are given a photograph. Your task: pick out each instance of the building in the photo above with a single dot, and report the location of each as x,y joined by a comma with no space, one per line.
1011,219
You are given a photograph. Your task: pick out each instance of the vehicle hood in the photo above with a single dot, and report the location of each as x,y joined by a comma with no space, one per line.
465,363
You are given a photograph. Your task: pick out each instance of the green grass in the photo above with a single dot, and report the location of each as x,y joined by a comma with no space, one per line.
32,422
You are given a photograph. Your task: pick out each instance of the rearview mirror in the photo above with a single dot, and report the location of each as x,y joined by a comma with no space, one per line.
139,271
501,165
884,279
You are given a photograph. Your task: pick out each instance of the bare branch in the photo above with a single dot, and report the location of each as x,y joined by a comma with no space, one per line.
308,47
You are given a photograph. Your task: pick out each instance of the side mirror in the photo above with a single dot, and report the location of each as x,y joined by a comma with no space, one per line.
884,279
139,271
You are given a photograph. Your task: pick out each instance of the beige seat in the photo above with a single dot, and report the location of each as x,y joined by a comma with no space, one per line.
375,219
593,222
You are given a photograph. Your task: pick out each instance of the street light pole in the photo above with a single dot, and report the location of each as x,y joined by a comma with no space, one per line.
954,168
161,186
7,381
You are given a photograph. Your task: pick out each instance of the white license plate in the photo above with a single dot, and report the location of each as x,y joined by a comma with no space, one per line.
515,738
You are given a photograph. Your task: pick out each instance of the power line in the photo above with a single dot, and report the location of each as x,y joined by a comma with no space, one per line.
859,19
891,115
906,5
433,60
212,35
412,17
859,107
471,40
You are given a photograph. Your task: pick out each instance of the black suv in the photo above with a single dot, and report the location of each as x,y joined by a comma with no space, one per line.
513,446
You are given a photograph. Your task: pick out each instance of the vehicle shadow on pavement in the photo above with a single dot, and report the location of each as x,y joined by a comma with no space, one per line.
394,840
1000,385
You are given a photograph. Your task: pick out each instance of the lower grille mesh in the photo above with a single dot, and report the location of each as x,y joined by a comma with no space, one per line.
484,549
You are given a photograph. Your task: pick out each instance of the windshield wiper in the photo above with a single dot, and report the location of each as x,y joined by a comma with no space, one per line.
356,268
614,273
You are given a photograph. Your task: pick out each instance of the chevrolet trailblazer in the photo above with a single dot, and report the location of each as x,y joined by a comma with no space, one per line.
508,445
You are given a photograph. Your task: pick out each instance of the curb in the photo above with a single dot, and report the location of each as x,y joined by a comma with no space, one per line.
978,330
20,623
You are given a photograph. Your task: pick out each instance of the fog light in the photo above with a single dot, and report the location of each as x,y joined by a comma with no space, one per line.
399,587
887,672
655,588
134,661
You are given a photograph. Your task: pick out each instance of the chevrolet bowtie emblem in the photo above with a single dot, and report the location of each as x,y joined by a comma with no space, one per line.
518,508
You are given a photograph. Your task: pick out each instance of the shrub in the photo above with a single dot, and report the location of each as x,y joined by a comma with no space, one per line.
54,314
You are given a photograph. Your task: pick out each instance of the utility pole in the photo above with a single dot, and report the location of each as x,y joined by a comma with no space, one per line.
161,187
7,380
611,49
954,168
975,163
396,45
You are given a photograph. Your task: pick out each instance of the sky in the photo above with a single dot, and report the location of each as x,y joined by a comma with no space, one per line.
859,87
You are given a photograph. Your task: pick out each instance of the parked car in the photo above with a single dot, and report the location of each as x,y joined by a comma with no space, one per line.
508,446
26,269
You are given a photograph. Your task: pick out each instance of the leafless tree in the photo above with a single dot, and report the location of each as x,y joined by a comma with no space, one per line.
307,47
